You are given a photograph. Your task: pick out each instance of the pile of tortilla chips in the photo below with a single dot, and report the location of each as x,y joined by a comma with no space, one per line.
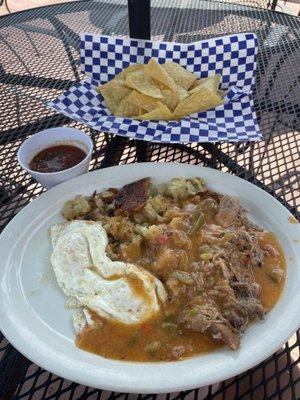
160,92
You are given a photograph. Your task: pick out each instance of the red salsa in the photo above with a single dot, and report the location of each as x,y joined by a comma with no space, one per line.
57,158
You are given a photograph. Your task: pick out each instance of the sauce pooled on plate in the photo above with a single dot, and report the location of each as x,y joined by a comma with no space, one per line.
57,158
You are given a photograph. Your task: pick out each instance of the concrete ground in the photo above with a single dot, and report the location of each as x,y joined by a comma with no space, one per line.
17,5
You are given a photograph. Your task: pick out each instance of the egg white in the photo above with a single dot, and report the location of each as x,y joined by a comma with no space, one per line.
91,279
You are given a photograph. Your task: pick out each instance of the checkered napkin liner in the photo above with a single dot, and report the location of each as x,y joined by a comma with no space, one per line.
233,57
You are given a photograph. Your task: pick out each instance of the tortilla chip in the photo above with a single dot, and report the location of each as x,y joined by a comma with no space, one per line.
222,92
211,82
157,72
202,100
170,99
142,111
161,113
145,102
126,108
183,94
117,81
119,77
113,93
142,83
135,67
160,92
195,84
161,86
180,75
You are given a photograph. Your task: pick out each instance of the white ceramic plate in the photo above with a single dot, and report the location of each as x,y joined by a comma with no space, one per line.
34,320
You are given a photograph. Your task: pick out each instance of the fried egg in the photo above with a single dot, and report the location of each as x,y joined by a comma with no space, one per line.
113,289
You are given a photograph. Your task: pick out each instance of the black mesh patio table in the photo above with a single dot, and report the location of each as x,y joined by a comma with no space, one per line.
39,59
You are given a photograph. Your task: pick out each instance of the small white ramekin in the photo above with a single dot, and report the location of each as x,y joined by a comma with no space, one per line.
53,137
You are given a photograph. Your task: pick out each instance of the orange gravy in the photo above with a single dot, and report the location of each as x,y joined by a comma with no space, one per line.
123,342
270,290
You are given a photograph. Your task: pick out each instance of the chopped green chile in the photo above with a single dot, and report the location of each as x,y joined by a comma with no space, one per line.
140,229
98,202
205,248
111,207
276,274
169,326
198,185
134,338
180,188
193,311
191,188
199,221
152,190
206,256
153,347
227,237
183,259
183,277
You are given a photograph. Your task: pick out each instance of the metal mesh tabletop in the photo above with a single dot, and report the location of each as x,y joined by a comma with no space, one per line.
39,59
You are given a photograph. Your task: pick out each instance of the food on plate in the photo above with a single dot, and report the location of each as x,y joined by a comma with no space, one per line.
163,272
57,158
160,92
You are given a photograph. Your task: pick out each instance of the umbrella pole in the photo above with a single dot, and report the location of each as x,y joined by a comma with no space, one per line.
139,19
139,27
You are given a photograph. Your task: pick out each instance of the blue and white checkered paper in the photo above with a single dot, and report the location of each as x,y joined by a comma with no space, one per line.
233,57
